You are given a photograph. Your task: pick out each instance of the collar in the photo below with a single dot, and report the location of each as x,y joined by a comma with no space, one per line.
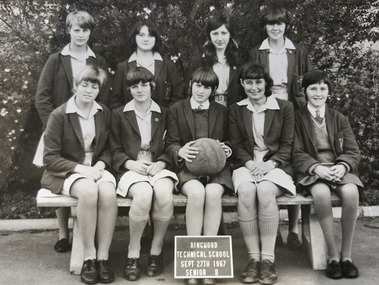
288,44
195,105
73,108
312,110
156,56
154,107
270,104
67,51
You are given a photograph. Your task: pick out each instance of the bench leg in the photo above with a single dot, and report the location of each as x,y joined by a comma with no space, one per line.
76,260
313,238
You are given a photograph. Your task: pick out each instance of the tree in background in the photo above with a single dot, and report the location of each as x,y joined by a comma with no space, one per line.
337,35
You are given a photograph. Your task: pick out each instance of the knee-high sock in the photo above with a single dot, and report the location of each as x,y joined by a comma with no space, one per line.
160,229
268,226
250,233
136,226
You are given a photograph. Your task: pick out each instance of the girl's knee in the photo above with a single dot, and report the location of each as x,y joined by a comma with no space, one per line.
163,196
247,195
213,192
266,193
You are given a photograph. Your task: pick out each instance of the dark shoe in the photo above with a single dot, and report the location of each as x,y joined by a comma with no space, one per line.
349,270
89,274
62,245
155,265
293,241
104,269
268,273
192,281
279,240
208,281
132,269
251,273
333,270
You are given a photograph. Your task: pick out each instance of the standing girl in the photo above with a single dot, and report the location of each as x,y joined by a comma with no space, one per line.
261,132
326,156
286,63
145,41
194,118
55,88
75,157
220,53
137,143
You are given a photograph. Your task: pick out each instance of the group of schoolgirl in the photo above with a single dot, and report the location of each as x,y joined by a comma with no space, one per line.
139,149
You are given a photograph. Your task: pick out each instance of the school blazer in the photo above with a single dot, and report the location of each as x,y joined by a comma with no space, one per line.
341,137
64,145
298,65
55,84
125,138
181,128
278,134
169,85
234,88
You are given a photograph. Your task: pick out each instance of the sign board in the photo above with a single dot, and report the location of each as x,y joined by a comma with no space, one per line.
203,257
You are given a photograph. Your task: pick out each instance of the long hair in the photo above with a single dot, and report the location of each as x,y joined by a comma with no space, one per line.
153,31
231,54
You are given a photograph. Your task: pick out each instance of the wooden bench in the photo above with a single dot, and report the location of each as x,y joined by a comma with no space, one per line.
312,236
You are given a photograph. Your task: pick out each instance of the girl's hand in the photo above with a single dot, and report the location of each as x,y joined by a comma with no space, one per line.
324,172
156,167
100,165
138,166
259,169
89,171
227,150
188,152
337,171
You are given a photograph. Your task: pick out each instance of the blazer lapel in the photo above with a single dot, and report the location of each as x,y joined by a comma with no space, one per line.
157,68
156,119
232,73
308,125
98,126
74,120
269,117
247,120
212,118
330,127
131,118
291,56
264,59
66,62
189,117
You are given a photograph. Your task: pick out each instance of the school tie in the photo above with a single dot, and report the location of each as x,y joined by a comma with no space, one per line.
318,118
201,107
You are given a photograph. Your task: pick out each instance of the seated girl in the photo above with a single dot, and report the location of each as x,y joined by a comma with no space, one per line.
137,143
191,119
261,132
75,157
326,157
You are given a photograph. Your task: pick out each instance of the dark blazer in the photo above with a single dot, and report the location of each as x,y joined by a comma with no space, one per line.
298,65
234,88
56,84
64,145
125,139
181,128
278,134
169,85
341,137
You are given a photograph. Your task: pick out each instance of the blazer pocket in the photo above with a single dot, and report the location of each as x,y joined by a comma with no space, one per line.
339,142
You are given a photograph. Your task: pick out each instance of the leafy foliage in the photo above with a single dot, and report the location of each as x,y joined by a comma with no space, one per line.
337,35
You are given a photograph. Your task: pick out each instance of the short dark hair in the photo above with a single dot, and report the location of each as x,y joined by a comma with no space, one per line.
81,18
252,70
313,77
276,15
139,74
153,30
206,76
92,74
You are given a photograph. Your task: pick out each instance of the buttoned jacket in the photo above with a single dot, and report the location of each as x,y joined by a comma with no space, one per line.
234,87
55,85
181,128
169,85
278,134
341,138
64,145
125,139
298,65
